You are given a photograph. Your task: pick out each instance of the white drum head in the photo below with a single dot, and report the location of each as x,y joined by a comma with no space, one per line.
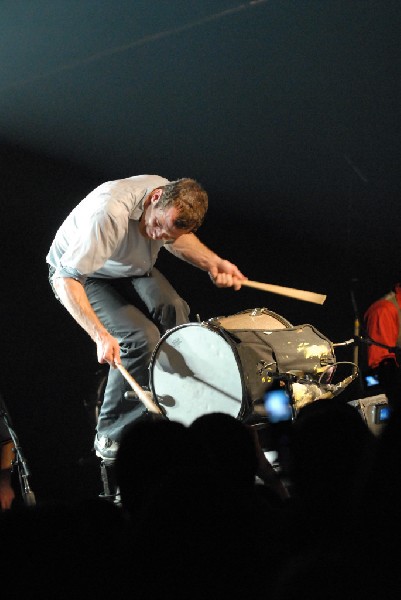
194,371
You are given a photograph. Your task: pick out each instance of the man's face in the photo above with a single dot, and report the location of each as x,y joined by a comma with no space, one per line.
157,223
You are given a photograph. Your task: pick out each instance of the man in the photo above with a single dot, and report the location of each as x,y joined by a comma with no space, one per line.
102,270
383,325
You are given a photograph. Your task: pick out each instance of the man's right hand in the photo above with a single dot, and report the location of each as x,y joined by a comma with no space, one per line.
108,350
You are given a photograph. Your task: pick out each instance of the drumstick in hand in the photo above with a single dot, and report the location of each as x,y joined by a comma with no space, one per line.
286,291
144,396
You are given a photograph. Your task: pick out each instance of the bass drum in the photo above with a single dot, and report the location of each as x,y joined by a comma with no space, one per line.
198,368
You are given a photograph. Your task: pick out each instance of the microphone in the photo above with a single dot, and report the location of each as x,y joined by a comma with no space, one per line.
336,389
305,392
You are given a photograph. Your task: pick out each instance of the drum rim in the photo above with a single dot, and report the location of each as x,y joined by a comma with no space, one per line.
264,310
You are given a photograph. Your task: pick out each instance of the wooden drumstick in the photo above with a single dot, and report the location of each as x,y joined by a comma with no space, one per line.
285,291
140,392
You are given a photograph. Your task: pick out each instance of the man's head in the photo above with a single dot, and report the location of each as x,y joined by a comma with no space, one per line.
190,200
174,209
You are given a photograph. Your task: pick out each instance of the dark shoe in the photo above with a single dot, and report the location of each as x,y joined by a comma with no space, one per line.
106,448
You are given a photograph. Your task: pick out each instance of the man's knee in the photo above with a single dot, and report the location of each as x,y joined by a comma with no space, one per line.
175,312
143,340
151,335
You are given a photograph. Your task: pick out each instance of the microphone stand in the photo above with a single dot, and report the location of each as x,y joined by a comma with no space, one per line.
357,326
357,331
370,342
23,471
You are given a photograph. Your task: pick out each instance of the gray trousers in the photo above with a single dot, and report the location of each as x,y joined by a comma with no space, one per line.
137,311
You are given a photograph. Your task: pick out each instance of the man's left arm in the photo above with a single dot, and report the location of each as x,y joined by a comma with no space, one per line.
222,272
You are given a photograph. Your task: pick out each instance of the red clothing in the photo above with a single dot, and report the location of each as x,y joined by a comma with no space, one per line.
382,323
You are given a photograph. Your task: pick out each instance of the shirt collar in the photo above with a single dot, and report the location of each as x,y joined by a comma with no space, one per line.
137,212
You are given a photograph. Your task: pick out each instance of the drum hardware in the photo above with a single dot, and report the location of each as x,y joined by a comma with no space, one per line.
131,395
144,396
303,389
326,360
268,375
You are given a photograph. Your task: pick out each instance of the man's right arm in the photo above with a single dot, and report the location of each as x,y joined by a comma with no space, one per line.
73,297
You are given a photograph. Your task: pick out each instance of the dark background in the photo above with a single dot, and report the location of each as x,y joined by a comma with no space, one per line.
286,111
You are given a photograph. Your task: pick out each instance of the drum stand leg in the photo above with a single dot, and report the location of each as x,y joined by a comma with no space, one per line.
111,491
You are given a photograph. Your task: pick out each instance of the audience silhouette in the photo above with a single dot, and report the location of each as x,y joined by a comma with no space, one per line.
196,518
63,550
342,486
151,451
